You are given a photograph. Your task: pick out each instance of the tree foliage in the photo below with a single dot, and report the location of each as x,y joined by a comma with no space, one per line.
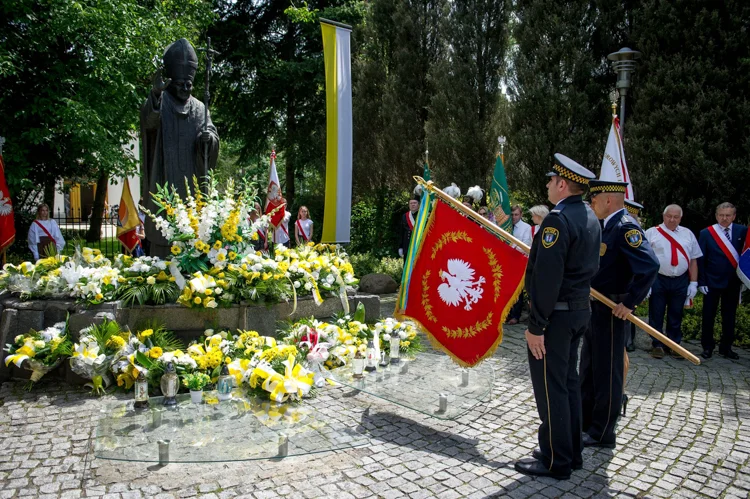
73,75
270,80
689,135
463,122
559,84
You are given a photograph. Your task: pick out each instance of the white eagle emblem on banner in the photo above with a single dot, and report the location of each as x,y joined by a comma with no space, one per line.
460,285
5,207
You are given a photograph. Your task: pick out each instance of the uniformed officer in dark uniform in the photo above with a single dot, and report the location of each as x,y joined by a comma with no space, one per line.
634,210
627,268
563,260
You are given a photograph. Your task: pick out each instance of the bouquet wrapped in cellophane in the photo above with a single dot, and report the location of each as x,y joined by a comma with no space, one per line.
40,351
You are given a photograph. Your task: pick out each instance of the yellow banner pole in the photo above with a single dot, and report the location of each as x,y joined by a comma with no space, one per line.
458,206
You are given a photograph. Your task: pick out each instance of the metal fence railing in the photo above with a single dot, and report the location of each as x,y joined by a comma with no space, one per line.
74,225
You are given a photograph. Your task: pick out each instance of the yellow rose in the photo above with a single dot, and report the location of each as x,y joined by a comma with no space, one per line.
197,300
209,292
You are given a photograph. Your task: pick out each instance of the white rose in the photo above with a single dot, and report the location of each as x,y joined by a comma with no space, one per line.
151,280
308,286
297,284
387,337
402,335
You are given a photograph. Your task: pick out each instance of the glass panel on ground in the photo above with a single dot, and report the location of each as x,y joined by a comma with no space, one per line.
239,429
431,384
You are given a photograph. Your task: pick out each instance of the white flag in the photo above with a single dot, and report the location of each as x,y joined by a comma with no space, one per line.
614,166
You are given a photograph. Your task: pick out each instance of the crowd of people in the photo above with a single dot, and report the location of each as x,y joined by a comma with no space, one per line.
45,238
598,243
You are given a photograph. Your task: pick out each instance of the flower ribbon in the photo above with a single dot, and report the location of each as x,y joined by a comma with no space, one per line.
296,380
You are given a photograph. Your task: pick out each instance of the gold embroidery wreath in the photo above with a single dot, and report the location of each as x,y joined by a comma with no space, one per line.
452,236
497,271
471,331
426,305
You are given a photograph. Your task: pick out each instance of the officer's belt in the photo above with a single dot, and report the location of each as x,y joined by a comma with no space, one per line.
572,305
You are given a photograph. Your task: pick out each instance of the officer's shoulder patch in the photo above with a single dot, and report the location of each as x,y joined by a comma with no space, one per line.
634,237
550,236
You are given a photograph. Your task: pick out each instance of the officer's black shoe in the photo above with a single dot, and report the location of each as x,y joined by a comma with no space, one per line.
729,354
537,454
588,441
707,354
630,347
536,468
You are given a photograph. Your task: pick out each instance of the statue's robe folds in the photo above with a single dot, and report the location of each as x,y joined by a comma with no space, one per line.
172,152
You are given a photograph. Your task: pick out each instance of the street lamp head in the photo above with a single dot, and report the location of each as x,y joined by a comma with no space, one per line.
624,53
623,62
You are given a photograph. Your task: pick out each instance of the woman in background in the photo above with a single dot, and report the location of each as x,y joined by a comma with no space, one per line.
45,238
303,228
538,213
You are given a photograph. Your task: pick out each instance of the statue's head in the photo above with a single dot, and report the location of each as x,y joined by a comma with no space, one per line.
180,64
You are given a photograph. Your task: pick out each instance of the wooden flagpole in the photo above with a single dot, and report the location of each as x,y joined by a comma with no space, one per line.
458,206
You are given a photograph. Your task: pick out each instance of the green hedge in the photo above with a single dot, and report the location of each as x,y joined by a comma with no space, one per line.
691,321
368,263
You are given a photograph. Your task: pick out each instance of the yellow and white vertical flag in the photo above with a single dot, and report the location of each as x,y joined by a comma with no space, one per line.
338,198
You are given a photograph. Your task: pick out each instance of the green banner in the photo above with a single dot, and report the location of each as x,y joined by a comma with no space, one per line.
499,198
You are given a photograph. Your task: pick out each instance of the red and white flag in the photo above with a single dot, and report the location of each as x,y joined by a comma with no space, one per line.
274,199
614,166
7,225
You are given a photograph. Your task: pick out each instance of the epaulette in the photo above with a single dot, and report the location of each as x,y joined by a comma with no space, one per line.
555,211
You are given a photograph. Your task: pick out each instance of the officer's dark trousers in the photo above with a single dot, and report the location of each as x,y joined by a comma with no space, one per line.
729,297
668,294
557,390
602,358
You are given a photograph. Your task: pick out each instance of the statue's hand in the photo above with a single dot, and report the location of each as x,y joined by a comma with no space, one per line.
205,137
159,83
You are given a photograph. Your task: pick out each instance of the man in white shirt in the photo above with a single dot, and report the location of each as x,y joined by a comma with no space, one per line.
522,231
678,251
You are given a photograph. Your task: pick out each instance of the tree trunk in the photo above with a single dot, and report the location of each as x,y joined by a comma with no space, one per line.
95,223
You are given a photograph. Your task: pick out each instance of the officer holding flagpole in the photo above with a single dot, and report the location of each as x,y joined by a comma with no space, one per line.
627,269
562,262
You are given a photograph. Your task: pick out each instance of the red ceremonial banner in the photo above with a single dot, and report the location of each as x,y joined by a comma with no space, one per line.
463,284
7,226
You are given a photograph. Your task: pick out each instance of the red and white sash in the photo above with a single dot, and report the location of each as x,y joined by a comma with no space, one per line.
533,231
281,226
410,220
676,246
717,232
44,229
302,232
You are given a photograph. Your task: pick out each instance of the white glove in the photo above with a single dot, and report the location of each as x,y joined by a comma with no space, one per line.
692,290
401,252
703,289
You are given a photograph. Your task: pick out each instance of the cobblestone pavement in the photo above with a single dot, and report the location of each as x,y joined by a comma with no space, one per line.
687,434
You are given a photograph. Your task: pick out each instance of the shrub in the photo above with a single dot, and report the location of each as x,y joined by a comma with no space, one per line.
691,322
368,263
394,267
